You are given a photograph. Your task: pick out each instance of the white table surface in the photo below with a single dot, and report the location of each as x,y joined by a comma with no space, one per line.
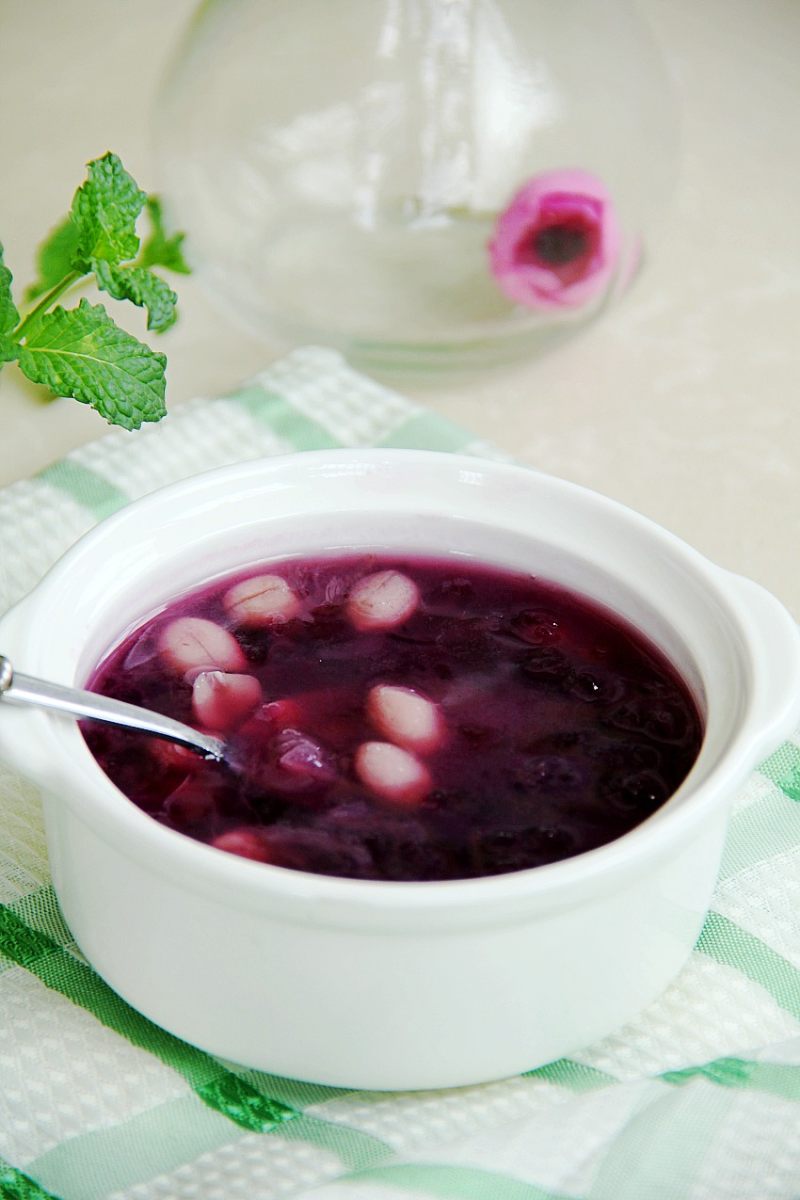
683,401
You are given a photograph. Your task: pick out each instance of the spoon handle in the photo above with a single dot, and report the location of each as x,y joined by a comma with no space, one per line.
23,689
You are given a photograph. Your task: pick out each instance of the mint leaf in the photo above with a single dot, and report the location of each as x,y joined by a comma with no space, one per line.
142,287
82,353
104,210
55,258
9,317
160,250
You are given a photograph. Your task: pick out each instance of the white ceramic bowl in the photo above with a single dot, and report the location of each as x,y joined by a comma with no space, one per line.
393,985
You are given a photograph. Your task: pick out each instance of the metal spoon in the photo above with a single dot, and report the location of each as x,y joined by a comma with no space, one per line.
23,689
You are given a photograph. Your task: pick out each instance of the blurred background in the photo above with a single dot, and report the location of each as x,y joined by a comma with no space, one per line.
680,400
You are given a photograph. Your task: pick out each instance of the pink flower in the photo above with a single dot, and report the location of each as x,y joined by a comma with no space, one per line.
557,243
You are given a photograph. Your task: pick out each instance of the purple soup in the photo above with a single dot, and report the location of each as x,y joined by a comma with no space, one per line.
395,717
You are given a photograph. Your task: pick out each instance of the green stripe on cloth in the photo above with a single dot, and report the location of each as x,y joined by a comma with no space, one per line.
274,411
155,1142
241,1102
229,1094
427,431
160,1140
662,1147
565,1072
40,911
763,830
783,768
294,1092
456,1183
19,943
91,490
727,943
779,1079
358,1150
16,1185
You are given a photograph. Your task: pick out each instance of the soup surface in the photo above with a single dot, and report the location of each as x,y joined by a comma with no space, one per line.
398,718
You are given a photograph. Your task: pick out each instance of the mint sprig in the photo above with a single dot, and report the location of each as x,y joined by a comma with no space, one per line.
81,352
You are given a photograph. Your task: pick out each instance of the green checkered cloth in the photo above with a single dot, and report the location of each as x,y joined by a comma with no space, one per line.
698,1098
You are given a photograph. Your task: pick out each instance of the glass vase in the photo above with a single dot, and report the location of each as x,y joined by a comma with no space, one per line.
423,184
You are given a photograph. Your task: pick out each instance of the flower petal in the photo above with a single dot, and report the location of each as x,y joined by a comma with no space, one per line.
570,200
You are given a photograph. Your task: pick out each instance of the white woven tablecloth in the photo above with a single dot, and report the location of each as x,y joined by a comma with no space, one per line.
696,1099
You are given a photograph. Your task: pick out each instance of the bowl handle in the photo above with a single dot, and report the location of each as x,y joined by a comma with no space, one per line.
775,665
22,730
